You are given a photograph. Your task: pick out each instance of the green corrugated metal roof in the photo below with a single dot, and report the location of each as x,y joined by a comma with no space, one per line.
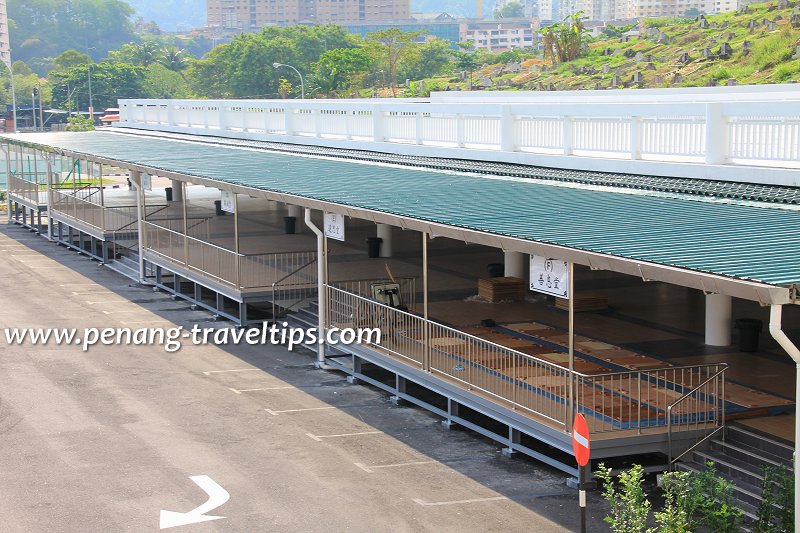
730,238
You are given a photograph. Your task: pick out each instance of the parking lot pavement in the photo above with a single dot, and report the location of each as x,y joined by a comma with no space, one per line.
132,438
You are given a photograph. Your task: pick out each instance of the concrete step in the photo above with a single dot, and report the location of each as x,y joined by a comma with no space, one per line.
748,454
743,494
757,440
731,468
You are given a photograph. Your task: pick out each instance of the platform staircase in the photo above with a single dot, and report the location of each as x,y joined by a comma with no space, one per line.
741,458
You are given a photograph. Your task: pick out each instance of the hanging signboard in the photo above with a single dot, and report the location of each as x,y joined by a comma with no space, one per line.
147,183
550,276
334,226
227,202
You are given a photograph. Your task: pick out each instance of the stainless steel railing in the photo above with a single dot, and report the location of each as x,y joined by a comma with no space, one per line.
236,270
684,415
673,398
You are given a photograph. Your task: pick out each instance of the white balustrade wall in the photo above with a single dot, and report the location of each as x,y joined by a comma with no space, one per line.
720,137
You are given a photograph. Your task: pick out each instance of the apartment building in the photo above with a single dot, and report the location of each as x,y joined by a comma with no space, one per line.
250,15
499,36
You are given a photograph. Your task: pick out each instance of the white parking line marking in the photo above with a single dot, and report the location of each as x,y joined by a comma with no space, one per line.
319,438
458,502
107,302
209,372
276,413
239,391
371,469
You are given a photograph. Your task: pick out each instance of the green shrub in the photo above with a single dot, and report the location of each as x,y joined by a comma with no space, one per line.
776,512
711,499
629,504
676,517
79,123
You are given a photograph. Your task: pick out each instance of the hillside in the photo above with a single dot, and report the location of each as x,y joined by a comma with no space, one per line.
752,46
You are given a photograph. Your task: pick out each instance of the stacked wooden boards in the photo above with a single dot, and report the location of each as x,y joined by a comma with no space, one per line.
584,303
502,289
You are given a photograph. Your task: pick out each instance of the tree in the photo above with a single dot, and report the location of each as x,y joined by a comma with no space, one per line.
284,88
161,82
562,41
174,59
79,123
69,59
466,59
509,10
390,46
341,69
145,53
46,28
110,82
428,59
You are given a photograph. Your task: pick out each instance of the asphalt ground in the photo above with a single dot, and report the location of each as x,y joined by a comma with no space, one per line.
105,439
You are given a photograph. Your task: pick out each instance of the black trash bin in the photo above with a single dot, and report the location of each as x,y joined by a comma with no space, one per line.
374,246
749,330
289,224
169,193
218,207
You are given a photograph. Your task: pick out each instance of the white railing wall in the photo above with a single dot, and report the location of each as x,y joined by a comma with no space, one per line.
737,133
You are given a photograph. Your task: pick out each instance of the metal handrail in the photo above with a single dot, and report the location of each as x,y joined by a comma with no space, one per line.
276,283
622,393
672,460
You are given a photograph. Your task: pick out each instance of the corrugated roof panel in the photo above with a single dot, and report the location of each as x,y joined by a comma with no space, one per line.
728,238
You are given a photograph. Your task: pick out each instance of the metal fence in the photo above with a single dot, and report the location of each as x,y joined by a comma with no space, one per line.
236,270
676,399
27,190
104,218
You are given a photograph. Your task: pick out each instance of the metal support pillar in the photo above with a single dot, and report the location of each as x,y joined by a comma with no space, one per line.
571,327
136,180
426,363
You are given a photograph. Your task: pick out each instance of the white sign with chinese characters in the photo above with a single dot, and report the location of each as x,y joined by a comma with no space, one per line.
147,183
550,276
227,202
334,226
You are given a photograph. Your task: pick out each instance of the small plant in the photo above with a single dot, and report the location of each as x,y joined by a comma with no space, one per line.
711,499
676,517
629,504
776,512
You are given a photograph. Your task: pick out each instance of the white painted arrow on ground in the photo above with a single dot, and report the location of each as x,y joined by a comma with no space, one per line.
216,497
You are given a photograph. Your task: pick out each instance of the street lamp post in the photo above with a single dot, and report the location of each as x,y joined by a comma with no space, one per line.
13,95
91,107
33,107
302,84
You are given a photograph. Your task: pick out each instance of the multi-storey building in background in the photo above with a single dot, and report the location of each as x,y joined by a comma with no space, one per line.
250,15
5,45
